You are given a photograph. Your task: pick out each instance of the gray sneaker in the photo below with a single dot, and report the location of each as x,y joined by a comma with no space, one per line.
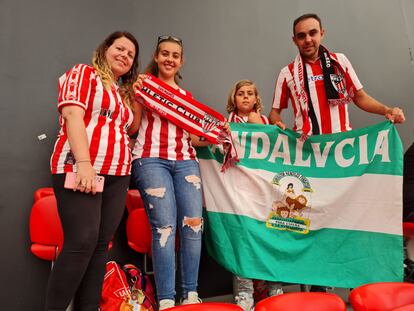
245,301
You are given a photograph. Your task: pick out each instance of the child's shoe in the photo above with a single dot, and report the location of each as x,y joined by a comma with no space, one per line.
245,301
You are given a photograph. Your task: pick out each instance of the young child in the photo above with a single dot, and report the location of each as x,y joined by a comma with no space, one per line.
244,105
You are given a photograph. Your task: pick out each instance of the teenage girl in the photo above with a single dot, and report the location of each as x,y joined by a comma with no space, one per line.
167,175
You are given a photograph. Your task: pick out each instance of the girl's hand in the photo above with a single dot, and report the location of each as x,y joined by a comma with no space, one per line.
139,83
85,177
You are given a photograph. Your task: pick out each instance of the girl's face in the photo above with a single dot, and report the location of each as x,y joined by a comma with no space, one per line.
245,99
120,56
169,60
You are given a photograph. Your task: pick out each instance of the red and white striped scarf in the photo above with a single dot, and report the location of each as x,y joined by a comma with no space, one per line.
187,113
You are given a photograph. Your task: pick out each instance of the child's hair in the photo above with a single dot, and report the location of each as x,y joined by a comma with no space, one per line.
231,105
104,70
152,67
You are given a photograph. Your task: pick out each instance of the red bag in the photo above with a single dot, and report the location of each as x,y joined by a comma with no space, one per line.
115,291
126,289
142,291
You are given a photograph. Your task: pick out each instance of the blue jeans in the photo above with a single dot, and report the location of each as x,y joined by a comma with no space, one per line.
172,194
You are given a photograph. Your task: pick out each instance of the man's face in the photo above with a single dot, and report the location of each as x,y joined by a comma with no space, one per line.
308,37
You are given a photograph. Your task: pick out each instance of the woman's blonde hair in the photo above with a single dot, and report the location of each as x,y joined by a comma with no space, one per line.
231,105
152,67
104,70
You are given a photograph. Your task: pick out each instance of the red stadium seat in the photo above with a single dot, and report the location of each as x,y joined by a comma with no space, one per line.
382,296
43,192
138,231
409,307
133,200
304,301
207,306
408,229
46,232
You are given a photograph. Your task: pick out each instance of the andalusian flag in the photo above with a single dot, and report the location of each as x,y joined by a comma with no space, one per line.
326,211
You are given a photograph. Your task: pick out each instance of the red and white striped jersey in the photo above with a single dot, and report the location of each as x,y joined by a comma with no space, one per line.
331,118
106,119
160,138
233,117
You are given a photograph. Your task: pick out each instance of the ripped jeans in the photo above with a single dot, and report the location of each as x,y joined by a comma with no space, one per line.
172,194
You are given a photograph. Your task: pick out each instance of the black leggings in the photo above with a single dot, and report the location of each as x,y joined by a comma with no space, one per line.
89,222
408,185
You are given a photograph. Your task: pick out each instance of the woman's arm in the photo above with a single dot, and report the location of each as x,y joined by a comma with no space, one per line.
78,141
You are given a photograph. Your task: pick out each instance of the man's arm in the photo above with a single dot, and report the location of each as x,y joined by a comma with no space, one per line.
276,119
370,104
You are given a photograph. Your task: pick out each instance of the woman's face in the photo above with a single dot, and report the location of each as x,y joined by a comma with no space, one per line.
169,59
120,56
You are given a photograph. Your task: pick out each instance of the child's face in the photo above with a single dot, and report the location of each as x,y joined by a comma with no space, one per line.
245,99
169,59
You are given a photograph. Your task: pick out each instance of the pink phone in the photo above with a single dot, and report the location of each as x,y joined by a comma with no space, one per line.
70,181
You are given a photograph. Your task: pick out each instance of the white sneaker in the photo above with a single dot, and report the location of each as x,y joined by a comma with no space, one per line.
192,297
166,303
245,301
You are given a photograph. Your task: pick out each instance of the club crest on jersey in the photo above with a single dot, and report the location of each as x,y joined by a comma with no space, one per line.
209,123
338,82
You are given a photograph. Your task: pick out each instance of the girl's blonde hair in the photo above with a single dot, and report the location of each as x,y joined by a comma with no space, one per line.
104,70
231,105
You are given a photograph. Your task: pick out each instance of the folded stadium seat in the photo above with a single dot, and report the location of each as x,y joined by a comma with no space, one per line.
46,232
303,301
207,306
384,296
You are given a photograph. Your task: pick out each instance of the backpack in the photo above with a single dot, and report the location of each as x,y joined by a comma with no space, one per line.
126,289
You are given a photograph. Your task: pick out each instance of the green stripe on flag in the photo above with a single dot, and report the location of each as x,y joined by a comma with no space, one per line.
353,153
339,258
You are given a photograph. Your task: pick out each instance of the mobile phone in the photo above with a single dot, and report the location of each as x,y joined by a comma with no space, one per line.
70,181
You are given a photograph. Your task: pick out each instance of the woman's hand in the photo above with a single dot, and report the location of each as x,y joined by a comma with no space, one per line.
85,177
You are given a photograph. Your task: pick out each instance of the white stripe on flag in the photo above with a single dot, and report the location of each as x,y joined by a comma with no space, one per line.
249,192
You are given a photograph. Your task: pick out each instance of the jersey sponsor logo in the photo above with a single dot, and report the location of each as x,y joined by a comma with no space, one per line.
315,78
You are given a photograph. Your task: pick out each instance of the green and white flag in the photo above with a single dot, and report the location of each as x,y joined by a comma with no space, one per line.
327,211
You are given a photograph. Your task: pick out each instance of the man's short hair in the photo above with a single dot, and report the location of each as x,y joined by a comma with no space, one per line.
306,16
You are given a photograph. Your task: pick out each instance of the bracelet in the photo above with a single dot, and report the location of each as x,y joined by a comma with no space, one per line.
80,161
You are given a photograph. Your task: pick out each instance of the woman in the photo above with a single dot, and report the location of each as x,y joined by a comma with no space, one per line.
167,175
95,106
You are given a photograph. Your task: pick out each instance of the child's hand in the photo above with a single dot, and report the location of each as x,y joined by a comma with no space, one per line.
255,117
226,127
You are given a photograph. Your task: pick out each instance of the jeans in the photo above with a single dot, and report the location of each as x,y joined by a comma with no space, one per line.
172,195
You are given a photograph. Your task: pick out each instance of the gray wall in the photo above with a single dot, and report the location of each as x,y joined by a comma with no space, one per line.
224,41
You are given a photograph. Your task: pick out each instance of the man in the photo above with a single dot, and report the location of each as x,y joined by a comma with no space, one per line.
320,86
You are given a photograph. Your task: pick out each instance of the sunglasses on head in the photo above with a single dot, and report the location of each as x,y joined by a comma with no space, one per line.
165,38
